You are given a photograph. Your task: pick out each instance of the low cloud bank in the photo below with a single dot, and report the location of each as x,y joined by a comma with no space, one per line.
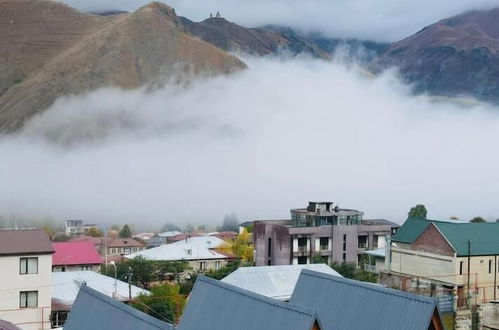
259,143
382,20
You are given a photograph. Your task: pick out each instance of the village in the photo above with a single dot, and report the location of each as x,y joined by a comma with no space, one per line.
325,267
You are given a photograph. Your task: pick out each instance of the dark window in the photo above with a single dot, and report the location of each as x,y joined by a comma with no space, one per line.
302,260
58,318
28,266
324,243
28,299
269,263
344,243
362,242
269,247
344,256
302,244
490,266
461,267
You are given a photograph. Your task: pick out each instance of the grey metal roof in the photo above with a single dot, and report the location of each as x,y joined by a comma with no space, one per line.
216,305
4,325
93,310
347,304
276,282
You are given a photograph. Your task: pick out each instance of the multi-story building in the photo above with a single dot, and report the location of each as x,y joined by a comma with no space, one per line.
445,259
318,231
25,278
77,227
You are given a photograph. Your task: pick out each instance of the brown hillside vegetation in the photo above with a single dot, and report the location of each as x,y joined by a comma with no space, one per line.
48,50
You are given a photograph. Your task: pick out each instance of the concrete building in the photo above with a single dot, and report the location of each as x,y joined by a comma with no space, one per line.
459,261
77,227
318,231
25,278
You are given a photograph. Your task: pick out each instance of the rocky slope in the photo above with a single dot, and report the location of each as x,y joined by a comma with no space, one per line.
48,50
455,56
257,41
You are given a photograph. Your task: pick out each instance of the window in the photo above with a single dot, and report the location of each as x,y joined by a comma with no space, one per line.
324,243
302,244
490,266
127,250
344,242
58,318
302,260
344,256
461,267
28,266
218,264
28,299
362,242
269,247
202,265
86,267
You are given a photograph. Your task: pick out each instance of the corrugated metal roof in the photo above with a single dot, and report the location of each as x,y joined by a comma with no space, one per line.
169,233
216,305
381,252
4,325
178,251
17,242
75,253
211,242
344,304
65,285
93,310
483,236
276,282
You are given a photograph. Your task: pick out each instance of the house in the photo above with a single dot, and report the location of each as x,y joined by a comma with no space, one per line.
73,256
170,233
199,256
277,282
225,235
65,287
26,267
446,258
217,305
375,262
94,310
210,242
344,304
320,229
113,249
77,227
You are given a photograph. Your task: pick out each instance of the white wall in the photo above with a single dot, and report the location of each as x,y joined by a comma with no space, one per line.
12,283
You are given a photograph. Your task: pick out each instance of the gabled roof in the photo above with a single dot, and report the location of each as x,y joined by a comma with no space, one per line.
65,286
344,304
24,242
178,251
110,241
483,235
217,305
276,282
211,242
93,310
169,233
75,253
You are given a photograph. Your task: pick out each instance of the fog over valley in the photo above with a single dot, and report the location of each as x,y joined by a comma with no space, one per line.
258,142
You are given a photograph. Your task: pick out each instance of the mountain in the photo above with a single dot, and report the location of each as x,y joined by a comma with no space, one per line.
256,41
453,57
48,50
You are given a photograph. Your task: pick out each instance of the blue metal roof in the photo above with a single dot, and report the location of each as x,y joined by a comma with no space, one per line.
216,305
94,310
344,304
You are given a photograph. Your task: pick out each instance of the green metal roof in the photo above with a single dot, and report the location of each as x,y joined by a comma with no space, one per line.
484,236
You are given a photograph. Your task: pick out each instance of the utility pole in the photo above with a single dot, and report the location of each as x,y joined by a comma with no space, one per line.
469,270
130,274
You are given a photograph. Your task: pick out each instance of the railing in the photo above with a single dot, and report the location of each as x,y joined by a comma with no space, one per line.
370,268
324,247
302,248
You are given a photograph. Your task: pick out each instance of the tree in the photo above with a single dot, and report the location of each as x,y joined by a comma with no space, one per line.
61,238
224,271
231,222
478,219
418,211
170,267
170,227
349,270
189,228
454,218
242,247
125,232
165,302
95,232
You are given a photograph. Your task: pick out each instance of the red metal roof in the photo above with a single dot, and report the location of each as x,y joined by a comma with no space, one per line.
75,253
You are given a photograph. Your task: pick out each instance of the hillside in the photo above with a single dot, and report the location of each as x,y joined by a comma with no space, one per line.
48,50
257,41
455,56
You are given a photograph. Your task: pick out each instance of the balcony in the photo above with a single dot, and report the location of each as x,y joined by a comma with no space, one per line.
302,249
370,268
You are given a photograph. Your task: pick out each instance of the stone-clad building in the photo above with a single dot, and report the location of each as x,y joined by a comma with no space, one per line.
321,229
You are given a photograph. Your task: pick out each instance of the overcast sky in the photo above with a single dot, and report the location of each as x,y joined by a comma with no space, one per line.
382,20
258,143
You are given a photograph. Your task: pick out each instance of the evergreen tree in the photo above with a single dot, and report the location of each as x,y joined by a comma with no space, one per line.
418,211
125,232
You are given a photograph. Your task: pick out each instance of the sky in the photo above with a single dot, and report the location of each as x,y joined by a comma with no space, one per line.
257,143
381,20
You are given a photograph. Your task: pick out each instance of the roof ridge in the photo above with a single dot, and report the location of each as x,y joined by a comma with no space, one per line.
367,286
130,310
292,307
